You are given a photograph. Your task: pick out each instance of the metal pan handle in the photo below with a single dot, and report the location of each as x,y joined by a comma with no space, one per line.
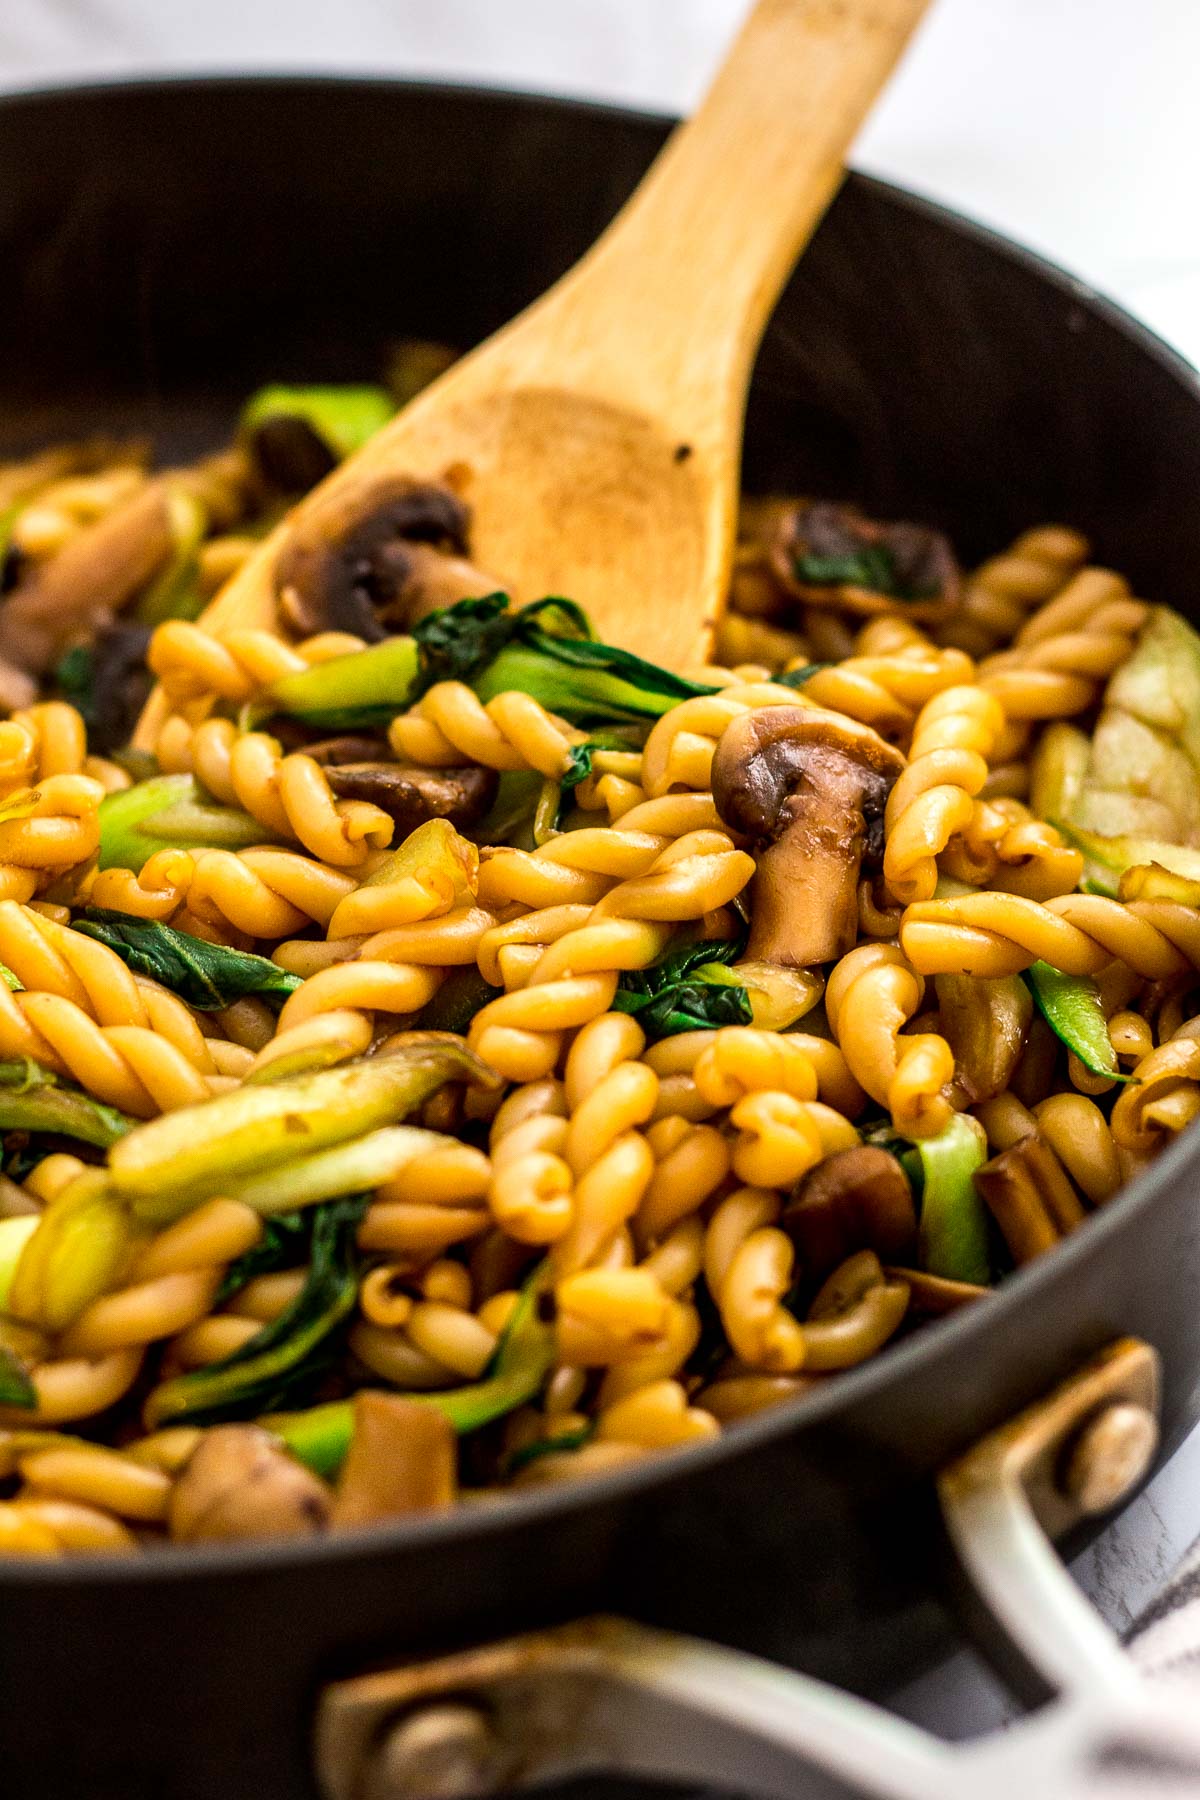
607,1695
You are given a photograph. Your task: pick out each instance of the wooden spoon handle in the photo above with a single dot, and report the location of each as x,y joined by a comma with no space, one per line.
692,267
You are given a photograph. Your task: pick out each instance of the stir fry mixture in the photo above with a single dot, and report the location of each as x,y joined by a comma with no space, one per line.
441,1052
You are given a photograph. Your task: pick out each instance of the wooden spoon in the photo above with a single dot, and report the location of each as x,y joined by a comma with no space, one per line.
597,437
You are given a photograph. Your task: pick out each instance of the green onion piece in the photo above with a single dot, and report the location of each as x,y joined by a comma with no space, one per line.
170,812
1070,1005
524,1357
953,1237
207,976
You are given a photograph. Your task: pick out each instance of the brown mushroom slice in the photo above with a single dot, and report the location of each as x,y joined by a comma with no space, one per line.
240,1483
830,554
854,1315
410,796
986,1022
372,558
808,789
1029,1196
403,1458
936,1295
856,1199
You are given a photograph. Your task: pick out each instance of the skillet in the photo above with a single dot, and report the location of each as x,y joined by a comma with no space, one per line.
166,247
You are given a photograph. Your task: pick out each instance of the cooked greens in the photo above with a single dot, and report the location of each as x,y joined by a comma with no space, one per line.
207,976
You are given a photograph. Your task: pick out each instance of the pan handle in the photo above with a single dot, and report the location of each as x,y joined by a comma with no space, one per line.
608,1695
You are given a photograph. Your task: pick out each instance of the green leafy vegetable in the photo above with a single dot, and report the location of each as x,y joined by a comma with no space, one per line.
546,650
549,1446
284,1244
953,1236
463,993
1071,1006
690,989
796,678
207,976
871,566
524,1357
170,812
31,1099
12,982
293,1351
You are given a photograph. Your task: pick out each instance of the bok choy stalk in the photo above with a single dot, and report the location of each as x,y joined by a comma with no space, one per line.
207,976
281,1145
32,1100
953,1231
293,1351
172,1163
523,1358
547,650
16,1389
169,812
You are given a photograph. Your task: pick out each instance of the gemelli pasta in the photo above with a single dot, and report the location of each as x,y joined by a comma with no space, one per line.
442,1052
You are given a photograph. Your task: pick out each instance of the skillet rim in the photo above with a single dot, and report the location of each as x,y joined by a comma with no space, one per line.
942,1339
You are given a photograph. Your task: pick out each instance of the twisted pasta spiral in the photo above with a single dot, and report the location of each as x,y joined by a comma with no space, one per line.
510,732
1063,655
169,1287
124,1038
1004,589
45,831
895,674
871,995
954,734
265,893
195,664
289,795
1001,934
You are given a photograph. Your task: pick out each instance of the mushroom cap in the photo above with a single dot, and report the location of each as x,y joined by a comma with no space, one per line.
240,1483
808,788
351,559
898,566
410,796
764,755
856,1199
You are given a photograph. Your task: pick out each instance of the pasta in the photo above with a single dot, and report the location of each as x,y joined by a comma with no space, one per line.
436,1041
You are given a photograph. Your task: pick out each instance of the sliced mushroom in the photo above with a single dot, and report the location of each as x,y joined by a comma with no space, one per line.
1030,1197
410,796
373,559
936,1295
986,1022
830,554
240,1483
403,1458
808,788
857,1199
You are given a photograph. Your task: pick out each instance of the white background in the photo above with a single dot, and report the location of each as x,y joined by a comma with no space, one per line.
1070,124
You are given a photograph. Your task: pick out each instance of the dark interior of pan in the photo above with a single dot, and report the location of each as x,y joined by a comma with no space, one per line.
166,248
